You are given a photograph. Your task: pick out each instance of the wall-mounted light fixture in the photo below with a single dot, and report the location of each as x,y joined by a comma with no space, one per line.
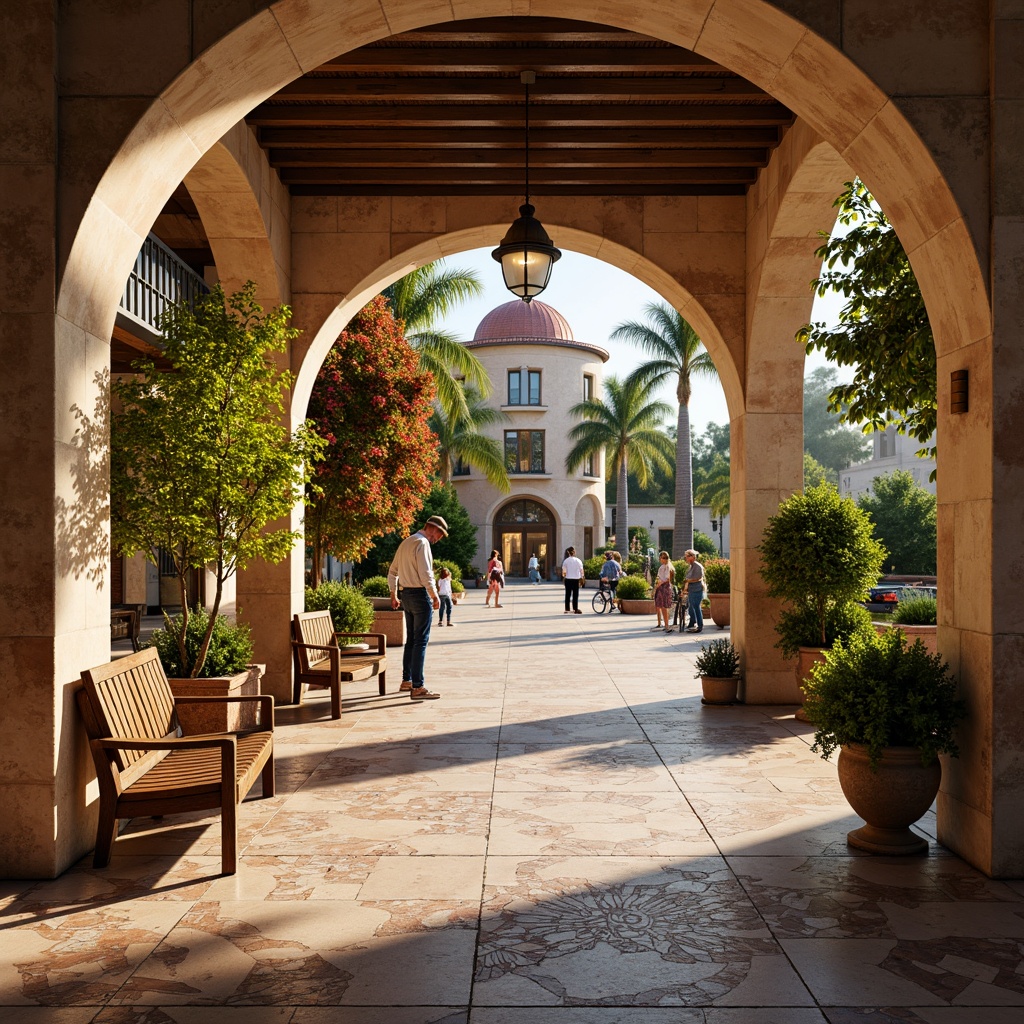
526,253
958,391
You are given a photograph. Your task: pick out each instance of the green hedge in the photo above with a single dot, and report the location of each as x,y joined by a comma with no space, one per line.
633,588
350,611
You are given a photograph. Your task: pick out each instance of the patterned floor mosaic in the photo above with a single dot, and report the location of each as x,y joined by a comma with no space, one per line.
566,837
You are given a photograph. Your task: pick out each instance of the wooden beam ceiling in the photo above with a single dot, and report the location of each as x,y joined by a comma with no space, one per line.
440,111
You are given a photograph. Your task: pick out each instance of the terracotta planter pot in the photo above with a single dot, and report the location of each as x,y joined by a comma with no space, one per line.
200,718
644,606
717,690
805,659
928,635
719,609
392,624
889,799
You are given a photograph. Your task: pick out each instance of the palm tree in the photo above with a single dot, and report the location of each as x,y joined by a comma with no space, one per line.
676,351
713,487
459,439
420,299
627,427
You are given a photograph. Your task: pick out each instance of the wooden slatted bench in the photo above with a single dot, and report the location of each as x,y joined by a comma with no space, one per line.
321,661
145,767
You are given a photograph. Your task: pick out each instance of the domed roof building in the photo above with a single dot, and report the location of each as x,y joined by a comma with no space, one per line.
539,371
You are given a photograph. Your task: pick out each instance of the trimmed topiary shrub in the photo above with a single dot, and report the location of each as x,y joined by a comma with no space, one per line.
592,566
229,652
633,588
916,611
717,576
350,611
375,586
800,627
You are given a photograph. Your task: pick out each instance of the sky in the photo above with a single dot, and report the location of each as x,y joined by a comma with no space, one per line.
595,297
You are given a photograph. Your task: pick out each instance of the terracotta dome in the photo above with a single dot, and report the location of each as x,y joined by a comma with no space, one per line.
524,321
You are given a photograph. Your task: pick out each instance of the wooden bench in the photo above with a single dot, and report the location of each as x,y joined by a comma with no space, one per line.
321,661
145,767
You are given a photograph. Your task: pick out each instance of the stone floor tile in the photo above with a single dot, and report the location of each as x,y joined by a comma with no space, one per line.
243,953
423,878
49,1014
195,1015
380,1015
922,1015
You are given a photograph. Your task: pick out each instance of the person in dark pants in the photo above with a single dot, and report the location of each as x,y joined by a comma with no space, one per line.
694,591
412,569
572,573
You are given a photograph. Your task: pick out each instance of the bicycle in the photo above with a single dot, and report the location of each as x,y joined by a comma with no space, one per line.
604,599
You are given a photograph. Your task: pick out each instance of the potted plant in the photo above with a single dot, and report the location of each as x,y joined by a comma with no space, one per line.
376,590
458,591
202,466
227,671
916,615
351,612
819,555
634,594
717,579
891,709
718,667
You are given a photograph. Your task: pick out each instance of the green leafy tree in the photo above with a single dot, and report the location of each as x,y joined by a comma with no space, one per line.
904,516
371,403
883,330
626,427
201,461
815,473
819,554
420,300
659,489
708,447
459,546
678,354
831,444
459,440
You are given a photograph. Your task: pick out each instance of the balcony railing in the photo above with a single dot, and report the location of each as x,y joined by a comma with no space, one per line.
158,280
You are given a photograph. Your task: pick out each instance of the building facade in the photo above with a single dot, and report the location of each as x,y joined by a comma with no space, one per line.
889,451
539,371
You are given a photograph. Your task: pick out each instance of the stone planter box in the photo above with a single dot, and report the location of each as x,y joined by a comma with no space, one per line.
380,604
201,718
928,635
391,623
642,606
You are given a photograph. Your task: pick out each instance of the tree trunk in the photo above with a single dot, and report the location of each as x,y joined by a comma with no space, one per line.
622,509
682,532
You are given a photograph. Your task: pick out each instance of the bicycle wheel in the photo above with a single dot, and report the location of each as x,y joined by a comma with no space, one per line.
600,602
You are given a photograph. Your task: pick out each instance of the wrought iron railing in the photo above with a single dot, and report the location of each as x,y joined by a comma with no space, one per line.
159,279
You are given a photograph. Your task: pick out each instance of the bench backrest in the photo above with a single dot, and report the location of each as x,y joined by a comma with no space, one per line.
130,697
316,629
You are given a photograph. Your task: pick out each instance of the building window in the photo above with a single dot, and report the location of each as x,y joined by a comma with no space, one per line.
887,443
665,540
460,468
524,451
588,466
588,387
524,387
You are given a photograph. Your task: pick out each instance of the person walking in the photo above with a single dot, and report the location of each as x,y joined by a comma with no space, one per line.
495,579
572,573
444,592
694,591
610,573
412,569
663,591
534,568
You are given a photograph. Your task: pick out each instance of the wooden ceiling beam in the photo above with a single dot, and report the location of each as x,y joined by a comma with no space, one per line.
563,137
514,30
457,176
425,188
442,156
612,115
513,59
444,88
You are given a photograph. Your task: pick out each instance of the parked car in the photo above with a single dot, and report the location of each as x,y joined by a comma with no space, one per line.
886,596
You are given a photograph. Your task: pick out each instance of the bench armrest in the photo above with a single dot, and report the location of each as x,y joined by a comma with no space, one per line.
381,638
223,740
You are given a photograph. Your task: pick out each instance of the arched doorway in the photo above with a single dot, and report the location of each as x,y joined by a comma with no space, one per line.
522,528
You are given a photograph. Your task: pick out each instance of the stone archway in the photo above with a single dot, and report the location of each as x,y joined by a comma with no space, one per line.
523,526
105,212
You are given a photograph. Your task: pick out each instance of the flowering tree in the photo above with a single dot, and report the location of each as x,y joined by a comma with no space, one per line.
371,404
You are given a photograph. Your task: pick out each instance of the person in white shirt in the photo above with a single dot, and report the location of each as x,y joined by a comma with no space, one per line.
444,592
534,568
572,573
412,569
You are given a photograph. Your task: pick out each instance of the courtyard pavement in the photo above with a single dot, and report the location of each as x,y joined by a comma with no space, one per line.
566,837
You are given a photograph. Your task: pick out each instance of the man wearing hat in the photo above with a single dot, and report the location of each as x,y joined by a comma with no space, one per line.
412,569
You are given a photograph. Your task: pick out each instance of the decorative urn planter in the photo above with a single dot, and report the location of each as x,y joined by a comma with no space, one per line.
719,609
928,635
718,690
201,718
889,799
636,606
